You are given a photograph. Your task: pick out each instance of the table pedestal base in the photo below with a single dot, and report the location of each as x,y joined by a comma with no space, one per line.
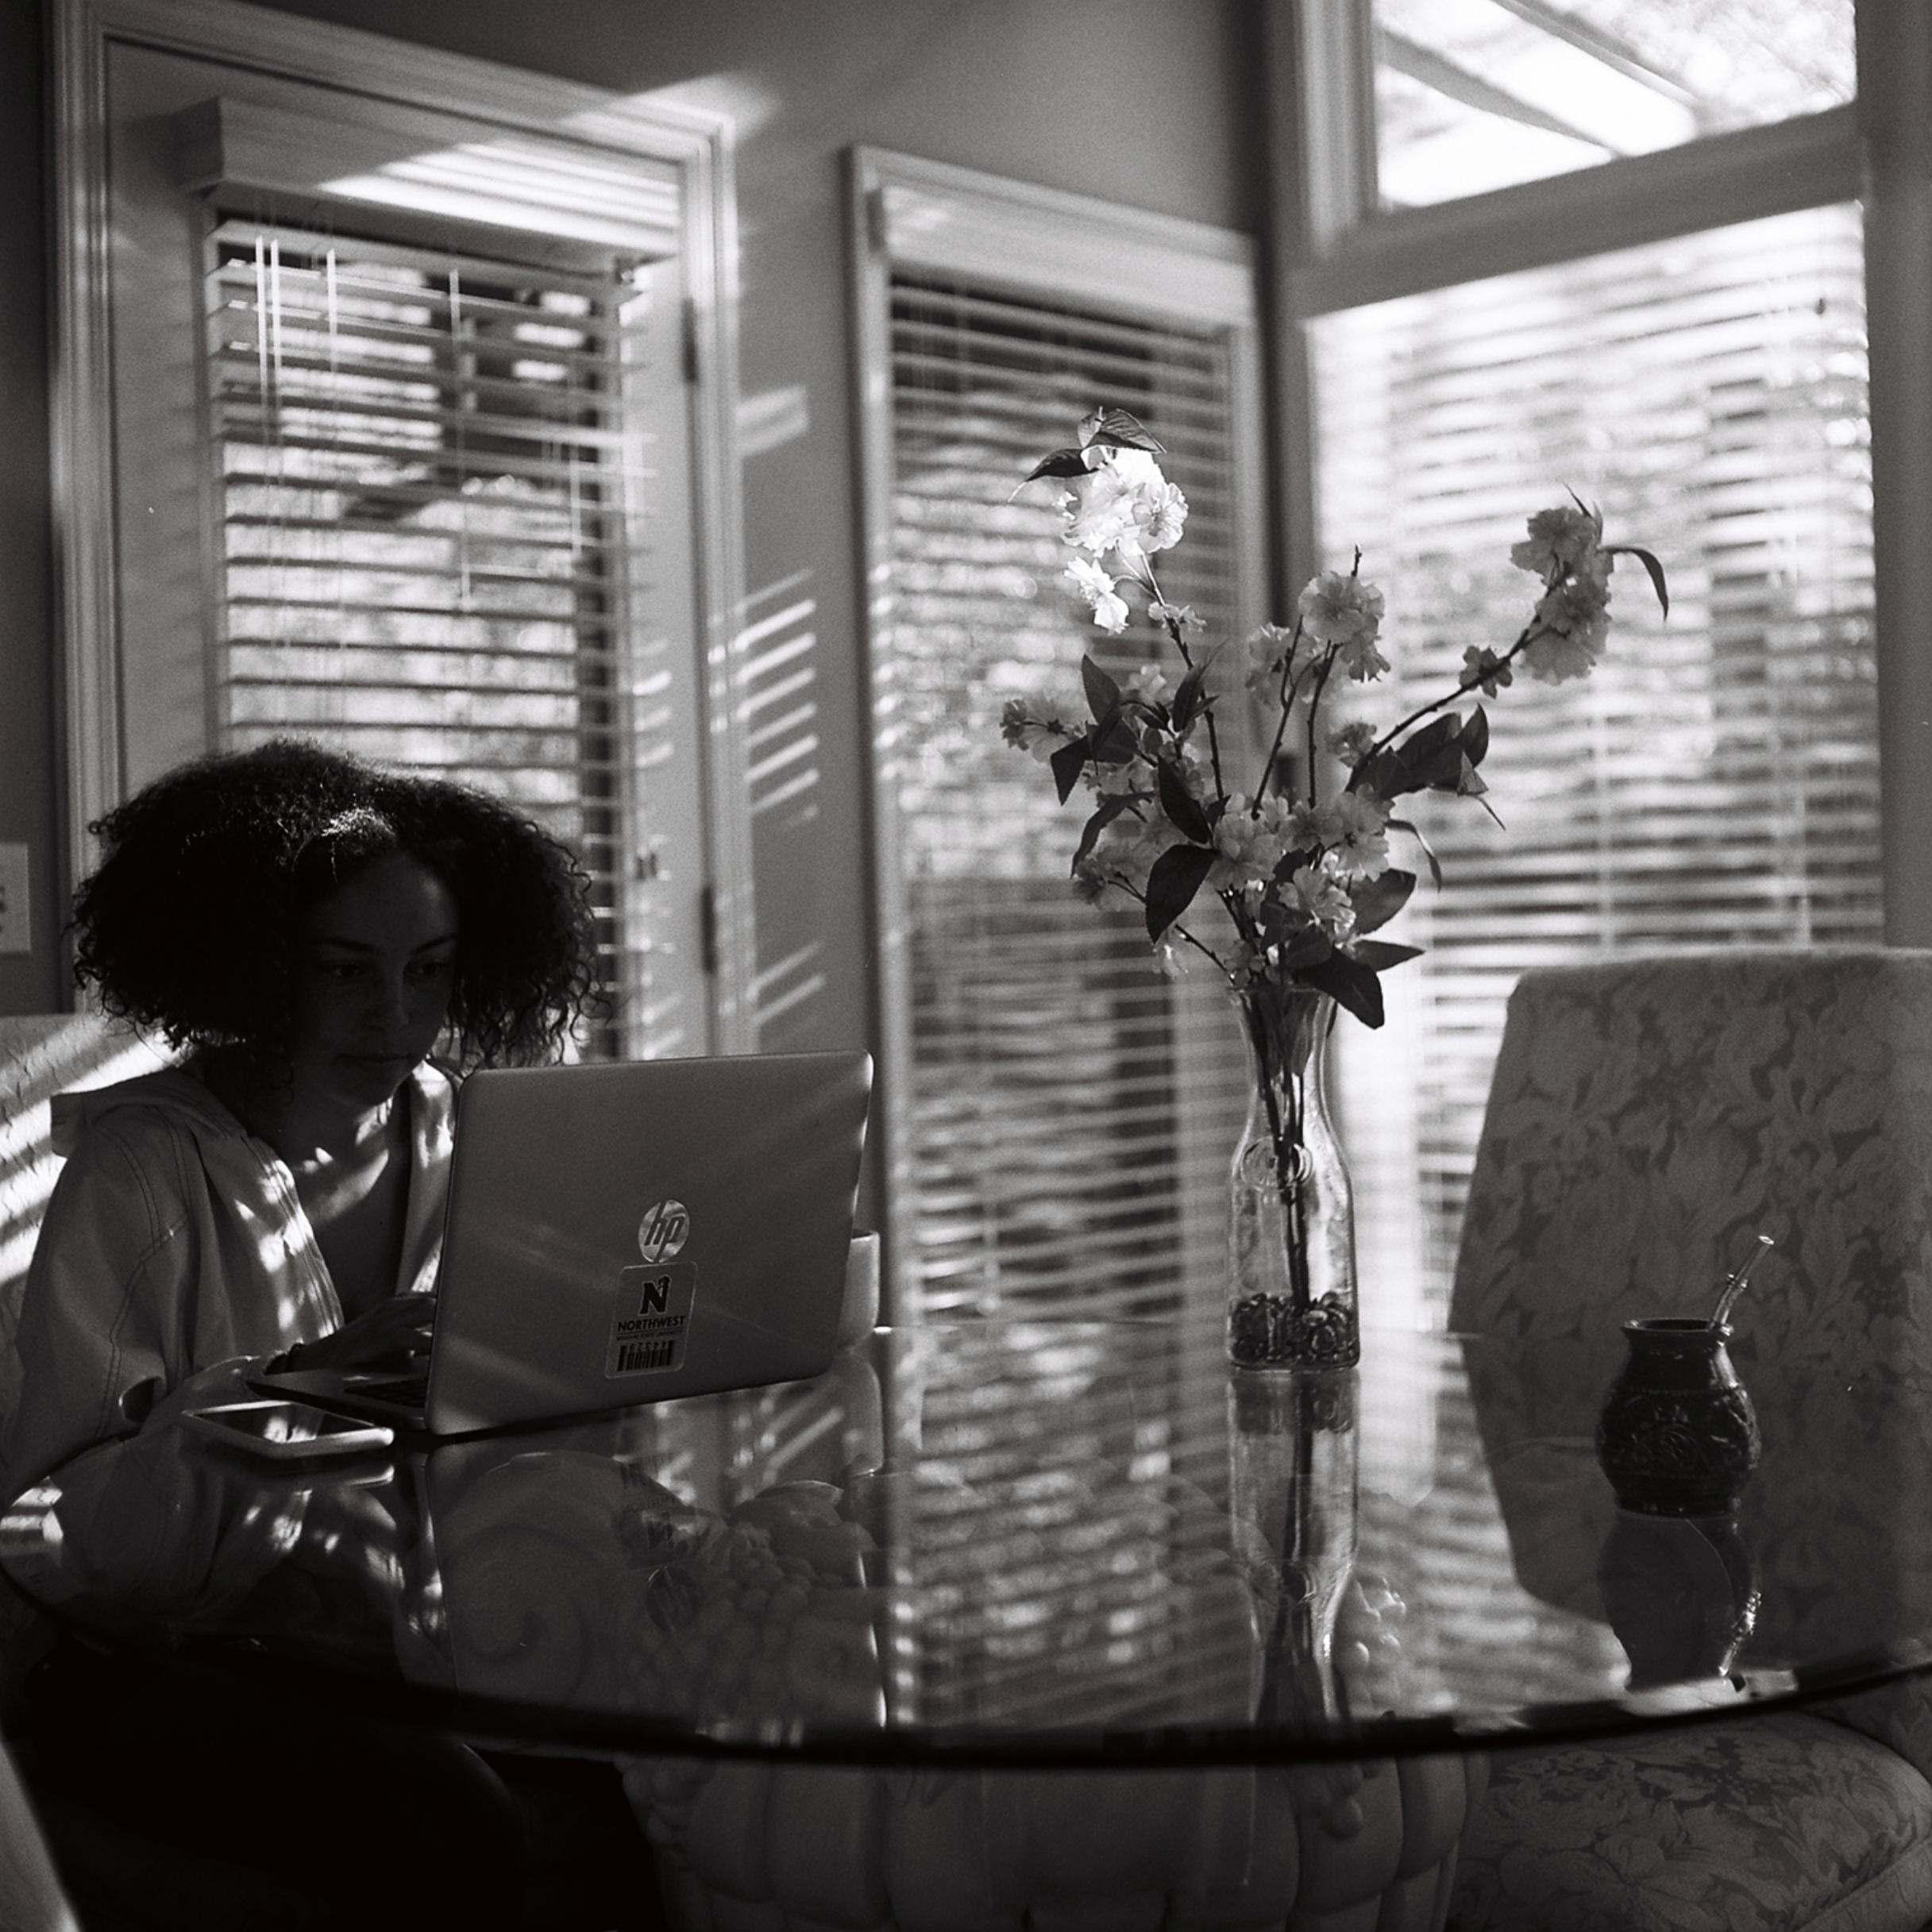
1348,1847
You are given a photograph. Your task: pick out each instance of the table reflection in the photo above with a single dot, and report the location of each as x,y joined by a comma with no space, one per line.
1031,1542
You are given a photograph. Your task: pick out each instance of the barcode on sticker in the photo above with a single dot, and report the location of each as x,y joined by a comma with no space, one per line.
632,1356
650,1318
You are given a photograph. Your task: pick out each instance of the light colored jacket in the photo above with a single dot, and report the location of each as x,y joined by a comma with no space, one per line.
174,1254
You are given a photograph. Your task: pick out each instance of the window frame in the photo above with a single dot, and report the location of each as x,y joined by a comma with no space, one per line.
904,212
370,71
1336,249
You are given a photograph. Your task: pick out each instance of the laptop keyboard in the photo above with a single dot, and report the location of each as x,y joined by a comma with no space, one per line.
408,1391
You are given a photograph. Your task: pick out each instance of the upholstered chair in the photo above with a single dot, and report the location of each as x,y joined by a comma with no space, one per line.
1647,1120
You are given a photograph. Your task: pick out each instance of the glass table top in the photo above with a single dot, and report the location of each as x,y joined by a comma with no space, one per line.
1006,1543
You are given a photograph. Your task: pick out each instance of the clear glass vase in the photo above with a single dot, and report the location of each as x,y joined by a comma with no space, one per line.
1291,1283
1293,1503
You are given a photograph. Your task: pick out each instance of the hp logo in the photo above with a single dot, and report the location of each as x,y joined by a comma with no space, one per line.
663,1231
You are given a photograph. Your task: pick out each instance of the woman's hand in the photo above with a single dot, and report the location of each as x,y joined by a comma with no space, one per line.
400,1326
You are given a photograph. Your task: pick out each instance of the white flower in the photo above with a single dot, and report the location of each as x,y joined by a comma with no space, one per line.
1125,504
1353,829
1251,839
1150,684
1303,826
1339,609
1126,849
1574,620
1559,541
1321,897
1043,736
1109,607
1267,648
1483,670
1091,882
1352,743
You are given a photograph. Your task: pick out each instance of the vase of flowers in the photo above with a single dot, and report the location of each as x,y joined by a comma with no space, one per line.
1296,866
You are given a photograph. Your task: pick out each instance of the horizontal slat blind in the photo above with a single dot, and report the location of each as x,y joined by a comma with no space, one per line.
425,499
1715,779
1072,1113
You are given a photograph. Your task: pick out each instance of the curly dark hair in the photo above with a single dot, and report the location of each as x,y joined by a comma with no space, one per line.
188,925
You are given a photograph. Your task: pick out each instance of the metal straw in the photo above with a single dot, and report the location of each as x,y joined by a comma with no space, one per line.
1734,1287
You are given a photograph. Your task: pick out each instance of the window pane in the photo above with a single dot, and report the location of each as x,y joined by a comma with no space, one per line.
1072,1111
1475,94
1715,779
426,521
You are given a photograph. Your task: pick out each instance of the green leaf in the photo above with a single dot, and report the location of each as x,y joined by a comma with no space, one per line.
1349,984
1377,901
1432,738
1475,736
1062,463
1187,700
1103,693
1385,774
1430,757
1290,863
1308,947
1653,569
1112,805
1379,955
1068,763
1116,427
1182,808
1435,864
1114,741
1176,878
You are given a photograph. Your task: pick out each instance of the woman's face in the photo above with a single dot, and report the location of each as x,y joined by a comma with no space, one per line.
375,963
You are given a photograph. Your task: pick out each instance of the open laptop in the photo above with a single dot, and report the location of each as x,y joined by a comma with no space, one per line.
627,1232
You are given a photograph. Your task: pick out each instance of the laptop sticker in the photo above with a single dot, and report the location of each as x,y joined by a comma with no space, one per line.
652,1322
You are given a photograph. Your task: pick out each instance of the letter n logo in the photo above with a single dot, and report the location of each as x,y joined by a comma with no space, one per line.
656,1294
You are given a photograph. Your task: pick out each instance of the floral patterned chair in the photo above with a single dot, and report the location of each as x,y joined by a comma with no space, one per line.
1647,1119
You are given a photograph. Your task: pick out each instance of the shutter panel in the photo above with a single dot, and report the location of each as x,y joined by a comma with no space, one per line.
426,493
1715,779
1072,1112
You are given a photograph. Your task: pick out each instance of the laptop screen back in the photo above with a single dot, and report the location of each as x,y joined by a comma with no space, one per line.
624,1233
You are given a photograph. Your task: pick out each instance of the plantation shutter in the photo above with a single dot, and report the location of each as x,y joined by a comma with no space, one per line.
1715,779
1071,1112
429,481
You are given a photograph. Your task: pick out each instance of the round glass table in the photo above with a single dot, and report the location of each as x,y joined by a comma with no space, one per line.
851,1637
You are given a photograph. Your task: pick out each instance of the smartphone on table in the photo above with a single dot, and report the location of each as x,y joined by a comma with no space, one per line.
286,1432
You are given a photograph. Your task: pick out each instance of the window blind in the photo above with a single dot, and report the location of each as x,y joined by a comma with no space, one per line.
426,491
1072,1113
1716,778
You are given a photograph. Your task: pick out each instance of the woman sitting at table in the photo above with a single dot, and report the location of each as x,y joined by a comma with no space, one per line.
310,929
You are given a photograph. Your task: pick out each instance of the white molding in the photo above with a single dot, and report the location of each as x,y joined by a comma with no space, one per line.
351,60
1894,57
81,409
1715,182
869,334
1334,65
359,67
